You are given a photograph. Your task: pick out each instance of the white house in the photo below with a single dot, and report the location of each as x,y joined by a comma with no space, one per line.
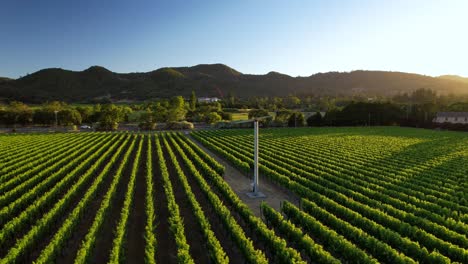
451,117
208,99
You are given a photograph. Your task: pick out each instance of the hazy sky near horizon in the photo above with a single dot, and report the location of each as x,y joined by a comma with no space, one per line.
257,36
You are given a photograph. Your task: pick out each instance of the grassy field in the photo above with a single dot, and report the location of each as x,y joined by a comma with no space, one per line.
367,195
240,116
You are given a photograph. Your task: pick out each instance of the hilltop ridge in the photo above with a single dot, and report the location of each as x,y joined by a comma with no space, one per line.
214,80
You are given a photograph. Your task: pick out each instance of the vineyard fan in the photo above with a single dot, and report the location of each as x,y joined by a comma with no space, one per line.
255,193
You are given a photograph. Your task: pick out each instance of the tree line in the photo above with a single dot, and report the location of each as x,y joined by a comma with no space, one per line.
174,112
415,109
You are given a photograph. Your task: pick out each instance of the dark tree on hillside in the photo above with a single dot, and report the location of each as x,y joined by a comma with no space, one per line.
257,113
296,120
315,120
16,113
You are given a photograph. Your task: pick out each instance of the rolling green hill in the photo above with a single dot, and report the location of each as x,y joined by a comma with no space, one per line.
211,80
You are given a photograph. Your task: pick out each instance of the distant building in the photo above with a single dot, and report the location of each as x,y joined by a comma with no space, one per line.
207,99
451,117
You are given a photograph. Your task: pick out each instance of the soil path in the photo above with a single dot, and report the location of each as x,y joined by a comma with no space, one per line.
218,227
240,183
193,231
135,240
166,249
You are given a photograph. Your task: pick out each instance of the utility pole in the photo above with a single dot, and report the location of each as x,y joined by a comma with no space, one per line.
56,120
255,183
255,193
14,124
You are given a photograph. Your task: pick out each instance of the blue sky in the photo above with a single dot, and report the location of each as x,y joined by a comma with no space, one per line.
256,36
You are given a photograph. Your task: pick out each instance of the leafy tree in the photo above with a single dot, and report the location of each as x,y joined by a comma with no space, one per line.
315,120
165,104
110,116
361,114
46,114
282,117
293,101
177,109
257,113
159,112
147,116
193,102
69,116
43,117
18,112
54,106
147,121
218,107
97,108
278,102
296,120
86,112
213,117
231,100
124,111
226,116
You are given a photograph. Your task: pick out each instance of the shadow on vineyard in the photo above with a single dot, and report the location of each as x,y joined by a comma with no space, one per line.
398,188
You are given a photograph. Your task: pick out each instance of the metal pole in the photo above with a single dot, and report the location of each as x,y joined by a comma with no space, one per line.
56,121
255,187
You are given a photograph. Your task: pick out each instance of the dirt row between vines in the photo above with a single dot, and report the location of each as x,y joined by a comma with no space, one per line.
240,183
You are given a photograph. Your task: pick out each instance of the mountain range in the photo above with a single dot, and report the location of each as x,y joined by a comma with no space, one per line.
213,80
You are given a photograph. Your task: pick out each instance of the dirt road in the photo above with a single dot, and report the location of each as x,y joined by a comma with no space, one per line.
240,183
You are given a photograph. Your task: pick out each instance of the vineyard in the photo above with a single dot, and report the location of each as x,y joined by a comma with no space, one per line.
380,195
124,198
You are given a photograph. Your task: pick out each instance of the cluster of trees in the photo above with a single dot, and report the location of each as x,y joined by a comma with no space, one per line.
277,103
354,114
174,112
16,112
415,109
177,110
59,113
363,114
281,118
323,103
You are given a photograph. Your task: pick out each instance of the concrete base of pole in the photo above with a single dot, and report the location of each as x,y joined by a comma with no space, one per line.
253,195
